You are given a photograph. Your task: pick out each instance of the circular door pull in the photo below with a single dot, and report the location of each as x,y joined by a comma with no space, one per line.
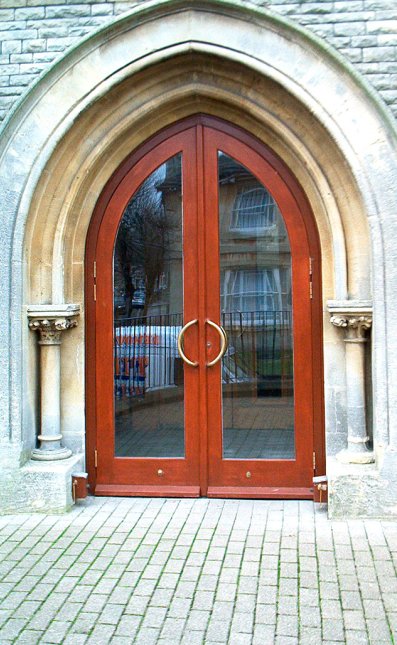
223,337
180,343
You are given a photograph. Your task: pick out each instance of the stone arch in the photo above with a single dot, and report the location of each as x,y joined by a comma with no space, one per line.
159,63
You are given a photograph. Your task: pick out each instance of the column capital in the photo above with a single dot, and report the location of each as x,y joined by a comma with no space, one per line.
51,320
354,316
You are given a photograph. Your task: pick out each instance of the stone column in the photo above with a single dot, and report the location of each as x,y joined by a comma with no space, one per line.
50,321
355,321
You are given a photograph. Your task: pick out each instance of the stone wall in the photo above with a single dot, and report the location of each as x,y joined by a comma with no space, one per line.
34,33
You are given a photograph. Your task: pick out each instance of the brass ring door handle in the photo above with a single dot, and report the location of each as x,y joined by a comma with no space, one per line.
180,343
223,348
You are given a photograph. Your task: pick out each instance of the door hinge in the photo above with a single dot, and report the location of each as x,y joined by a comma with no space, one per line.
95,281
96,458
311,277
314,462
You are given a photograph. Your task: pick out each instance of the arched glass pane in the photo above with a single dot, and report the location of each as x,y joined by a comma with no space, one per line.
148,306
256,313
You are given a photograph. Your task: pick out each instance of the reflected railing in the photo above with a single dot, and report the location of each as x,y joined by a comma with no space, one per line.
146,353
259,349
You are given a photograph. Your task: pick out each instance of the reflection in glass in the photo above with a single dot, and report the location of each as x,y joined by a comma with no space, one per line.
256,313
148,305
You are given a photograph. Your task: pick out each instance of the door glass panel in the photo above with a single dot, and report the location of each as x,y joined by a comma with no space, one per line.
256,313
148,306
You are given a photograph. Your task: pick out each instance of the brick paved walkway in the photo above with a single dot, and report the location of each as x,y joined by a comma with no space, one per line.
148,571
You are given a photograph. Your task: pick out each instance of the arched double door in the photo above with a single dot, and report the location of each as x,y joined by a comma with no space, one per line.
203,322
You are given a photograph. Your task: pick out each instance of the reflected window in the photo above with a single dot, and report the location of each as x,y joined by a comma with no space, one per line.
253,209
255,290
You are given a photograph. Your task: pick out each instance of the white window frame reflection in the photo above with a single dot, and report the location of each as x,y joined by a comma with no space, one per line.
254,210
256,292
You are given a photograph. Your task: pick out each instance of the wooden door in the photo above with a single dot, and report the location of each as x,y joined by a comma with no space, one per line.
203,322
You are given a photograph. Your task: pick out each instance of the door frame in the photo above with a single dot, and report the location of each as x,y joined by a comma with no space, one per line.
314,283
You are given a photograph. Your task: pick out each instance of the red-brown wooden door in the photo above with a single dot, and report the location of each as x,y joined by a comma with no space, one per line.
203,225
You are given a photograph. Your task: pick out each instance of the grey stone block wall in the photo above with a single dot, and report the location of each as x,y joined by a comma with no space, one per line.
34,33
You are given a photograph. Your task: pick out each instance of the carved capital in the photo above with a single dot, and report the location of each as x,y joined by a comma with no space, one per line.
51,320
339,321
50,329
356,326
355,316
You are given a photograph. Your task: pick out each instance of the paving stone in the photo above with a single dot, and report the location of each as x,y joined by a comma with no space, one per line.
197,619
331,609
188,638
172,629
209,583
203,600
185,589
111,614
351,600
95,602
128,626
332,630
263,634
286,640
310,636
236,638
247,584
310,617
266,614
354,620
154,617
287,626
56,631
84,623
242,622
218,630
309,597
12,628
356,638
378,630
162,598
288,587
31,637
389,601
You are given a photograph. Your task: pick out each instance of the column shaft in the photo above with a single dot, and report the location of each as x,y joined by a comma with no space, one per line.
356,419
50,380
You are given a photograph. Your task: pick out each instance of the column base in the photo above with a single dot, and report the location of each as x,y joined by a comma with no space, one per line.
51,455
349,457
361,491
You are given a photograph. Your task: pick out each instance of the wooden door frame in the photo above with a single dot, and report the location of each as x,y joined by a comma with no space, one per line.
316,311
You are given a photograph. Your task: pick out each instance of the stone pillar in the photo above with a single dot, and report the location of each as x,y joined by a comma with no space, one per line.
50,321
355,321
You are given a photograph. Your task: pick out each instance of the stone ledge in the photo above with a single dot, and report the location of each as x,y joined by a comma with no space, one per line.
350,307
53,311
